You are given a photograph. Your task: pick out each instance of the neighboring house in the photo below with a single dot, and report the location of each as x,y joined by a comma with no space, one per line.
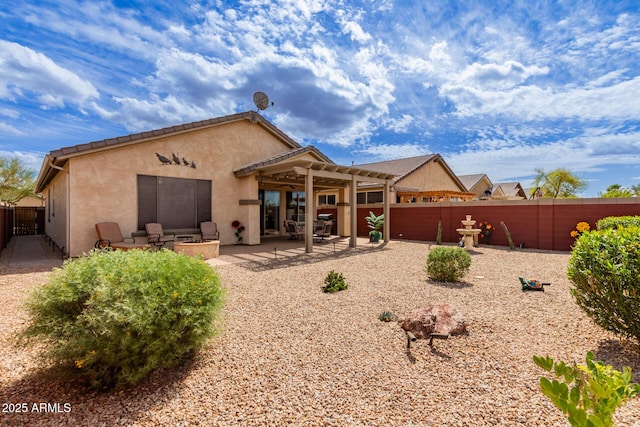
237,167
479,184
509,191
416,179
31,202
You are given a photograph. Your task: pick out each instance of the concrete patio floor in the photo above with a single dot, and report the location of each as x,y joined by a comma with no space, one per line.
278,249
33,252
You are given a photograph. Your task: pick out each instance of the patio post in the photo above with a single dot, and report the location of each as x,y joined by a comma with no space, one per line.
309,209
353,201
386,230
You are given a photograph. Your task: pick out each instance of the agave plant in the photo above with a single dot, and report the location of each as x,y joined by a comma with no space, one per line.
387,316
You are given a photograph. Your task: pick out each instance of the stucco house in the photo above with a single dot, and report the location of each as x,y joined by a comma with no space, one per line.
36,201
509,191
425,178
478,184
238,167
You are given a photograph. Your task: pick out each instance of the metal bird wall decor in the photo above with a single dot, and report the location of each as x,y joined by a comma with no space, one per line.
164,160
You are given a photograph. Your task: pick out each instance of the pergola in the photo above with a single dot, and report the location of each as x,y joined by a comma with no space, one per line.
321,175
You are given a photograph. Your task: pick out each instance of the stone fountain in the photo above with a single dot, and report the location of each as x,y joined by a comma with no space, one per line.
468,233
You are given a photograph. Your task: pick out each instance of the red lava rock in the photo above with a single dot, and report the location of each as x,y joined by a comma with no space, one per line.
436,318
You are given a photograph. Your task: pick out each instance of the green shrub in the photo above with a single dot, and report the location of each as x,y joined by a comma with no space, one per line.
112,317
604,269
588,394
617,222
334,282
448,264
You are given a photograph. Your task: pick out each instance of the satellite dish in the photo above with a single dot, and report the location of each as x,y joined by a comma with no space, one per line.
261,100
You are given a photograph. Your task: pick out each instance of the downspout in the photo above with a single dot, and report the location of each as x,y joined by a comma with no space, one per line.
67,237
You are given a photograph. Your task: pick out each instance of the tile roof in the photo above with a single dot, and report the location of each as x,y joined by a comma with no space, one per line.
471,180
248,169
512,189
400,167
156,133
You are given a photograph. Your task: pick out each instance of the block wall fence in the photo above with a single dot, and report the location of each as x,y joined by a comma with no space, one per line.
538,224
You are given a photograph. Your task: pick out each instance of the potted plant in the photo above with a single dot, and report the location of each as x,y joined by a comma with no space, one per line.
375,223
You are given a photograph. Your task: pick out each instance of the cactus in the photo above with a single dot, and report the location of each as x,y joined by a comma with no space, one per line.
506,231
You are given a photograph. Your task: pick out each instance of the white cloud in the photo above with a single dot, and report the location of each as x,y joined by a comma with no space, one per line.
382,152
7,129
353,28
322,91
25,70
498,76
139,115
116,29
31,160
529,102
517,161
400,124
439,54
10,113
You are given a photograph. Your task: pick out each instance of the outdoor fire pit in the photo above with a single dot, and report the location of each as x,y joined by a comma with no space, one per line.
207,248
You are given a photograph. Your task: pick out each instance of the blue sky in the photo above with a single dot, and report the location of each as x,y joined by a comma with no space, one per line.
496,87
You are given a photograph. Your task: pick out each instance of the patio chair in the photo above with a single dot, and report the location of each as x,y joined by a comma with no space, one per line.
110,236
156,236
293,229
209,230
324,232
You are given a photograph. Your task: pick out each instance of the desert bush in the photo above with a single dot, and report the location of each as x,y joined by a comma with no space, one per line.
448,264
617,222
604,269
334,282
112,317
588,395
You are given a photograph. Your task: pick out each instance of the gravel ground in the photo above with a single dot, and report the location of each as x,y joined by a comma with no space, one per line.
292,355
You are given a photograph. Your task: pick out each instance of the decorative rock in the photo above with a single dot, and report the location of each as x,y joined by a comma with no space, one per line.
421,324
437,318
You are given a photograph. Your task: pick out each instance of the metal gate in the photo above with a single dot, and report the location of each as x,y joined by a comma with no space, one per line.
27,220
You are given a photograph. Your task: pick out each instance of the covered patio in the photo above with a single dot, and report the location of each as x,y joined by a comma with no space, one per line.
313,175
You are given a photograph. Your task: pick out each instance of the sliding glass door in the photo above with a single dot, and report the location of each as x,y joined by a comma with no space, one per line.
269,212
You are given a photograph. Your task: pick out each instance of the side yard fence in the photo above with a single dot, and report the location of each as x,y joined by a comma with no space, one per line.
540,224
19,221
6,226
